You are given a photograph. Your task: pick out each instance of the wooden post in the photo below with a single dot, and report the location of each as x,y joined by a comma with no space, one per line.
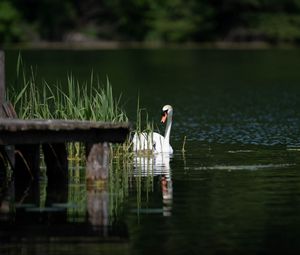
97,164
2,81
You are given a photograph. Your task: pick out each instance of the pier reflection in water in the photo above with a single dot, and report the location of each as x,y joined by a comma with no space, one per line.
39,214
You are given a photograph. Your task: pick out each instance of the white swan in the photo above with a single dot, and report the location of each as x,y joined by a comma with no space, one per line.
154,141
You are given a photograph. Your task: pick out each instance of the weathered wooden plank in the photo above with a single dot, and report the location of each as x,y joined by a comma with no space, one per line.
2,81
13,125
15,131
45,136
27,135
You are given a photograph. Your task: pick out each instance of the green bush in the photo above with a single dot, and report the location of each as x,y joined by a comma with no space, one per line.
10,27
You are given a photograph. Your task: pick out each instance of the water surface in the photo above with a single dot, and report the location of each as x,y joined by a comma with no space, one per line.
235,190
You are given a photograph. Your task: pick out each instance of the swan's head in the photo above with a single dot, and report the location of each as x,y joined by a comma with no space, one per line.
167,110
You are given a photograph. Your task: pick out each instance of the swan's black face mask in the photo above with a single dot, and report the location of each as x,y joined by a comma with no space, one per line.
164,116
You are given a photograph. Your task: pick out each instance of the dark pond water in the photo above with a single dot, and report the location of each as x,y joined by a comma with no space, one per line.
235,190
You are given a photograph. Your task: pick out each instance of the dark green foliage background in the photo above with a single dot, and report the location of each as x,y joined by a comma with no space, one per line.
271,21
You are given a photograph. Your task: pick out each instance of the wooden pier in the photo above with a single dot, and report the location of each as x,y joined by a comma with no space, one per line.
22,141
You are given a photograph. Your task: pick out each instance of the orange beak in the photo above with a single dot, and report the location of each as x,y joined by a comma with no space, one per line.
164,117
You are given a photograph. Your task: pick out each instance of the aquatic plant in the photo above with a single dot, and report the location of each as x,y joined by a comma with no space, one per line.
74,100
143,125
83,101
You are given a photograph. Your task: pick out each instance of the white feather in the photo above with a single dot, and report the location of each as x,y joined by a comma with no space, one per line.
154,141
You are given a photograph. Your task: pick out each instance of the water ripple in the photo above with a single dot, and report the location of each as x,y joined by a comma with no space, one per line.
243,131
241,167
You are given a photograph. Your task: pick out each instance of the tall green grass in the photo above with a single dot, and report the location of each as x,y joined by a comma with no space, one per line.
89,100
143,125
74,100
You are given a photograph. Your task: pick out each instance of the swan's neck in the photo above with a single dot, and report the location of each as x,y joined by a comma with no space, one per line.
168,129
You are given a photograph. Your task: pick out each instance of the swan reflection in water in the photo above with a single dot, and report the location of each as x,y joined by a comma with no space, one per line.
157,165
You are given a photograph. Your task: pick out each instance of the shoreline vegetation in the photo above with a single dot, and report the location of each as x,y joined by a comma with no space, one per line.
68,99
91,100
150,22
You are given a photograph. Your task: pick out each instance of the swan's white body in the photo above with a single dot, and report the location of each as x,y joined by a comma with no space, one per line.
154,141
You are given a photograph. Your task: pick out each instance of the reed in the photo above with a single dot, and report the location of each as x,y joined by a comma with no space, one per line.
145,126
89,100
82,102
